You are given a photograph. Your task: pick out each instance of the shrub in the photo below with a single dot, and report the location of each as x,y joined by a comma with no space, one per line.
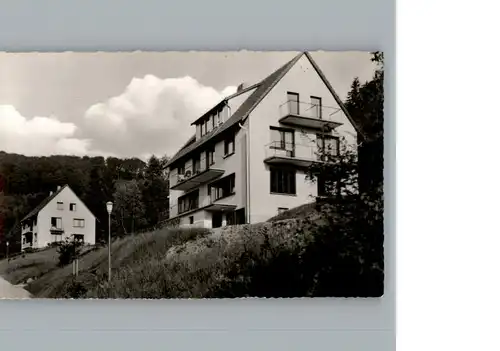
68,251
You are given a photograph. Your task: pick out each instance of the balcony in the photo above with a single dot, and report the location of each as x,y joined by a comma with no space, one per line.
281,153
306,115
196,174
56,231
221,203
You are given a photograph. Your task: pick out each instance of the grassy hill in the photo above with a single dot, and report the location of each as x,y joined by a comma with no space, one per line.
280,258
165,263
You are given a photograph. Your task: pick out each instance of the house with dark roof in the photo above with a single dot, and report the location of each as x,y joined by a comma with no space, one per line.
248,157
59,216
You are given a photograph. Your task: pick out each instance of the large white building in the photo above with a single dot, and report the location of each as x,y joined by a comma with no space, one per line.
248,158
59,216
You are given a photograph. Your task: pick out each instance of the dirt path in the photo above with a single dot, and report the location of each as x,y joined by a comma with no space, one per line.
9,291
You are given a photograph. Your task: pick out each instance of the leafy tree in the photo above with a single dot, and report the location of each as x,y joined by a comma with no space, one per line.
129,206
155,190
26,181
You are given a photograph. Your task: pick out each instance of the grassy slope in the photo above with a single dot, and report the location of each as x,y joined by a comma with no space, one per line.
19,269
177,263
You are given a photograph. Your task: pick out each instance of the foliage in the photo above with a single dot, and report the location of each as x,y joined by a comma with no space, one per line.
129,206
68,251
26,181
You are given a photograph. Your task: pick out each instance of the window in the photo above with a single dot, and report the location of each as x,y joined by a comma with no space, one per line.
188,202
219,117
293,103
282,181
191,219
206,127
78,223
229,146
328,144
35,237
180,170
283,139
282,209
24,240
222,188
196,164
210,124
210,157
72,207
60,206
316,107
56,222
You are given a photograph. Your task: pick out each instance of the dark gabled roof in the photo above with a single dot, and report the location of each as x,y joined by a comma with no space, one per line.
42,204
224,101
261,90
48,199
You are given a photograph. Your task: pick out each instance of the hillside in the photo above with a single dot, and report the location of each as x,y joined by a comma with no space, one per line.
280,258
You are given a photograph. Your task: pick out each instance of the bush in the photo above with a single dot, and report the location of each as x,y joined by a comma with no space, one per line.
68,251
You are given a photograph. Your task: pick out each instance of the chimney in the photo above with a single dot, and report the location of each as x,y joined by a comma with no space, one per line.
51,193
242,86
58,187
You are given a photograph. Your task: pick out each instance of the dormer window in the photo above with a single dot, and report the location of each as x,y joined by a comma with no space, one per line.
219,117
180,170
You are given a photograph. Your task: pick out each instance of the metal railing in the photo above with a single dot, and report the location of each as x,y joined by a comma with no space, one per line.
291,150
300,151
305,109
191,168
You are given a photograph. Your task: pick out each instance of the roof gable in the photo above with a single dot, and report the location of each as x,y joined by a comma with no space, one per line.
44,203
262,89
48,199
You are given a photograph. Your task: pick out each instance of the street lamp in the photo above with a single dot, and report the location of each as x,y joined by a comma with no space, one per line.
7,248
109,207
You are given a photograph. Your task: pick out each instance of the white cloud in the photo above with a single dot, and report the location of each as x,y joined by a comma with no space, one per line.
38,135
151,116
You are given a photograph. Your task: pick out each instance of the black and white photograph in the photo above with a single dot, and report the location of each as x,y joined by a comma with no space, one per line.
192,175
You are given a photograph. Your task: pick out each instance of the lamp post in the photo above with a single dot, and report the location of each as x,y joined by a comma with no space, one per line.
109,207
7,249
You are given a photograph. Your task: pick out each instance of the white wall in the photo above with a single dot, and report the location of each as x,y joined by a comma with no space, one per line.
302,79
66,196
234,163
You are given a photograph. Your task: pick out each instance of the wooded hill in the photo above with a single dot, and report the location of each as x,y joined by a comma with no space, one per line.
139,190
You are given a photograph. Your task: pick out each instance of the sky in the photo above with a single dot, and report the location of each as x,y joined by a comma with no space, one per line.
132,104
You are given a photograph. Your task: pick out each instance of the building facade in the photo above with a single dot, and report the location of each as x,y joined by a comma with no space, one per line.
249,156
61,215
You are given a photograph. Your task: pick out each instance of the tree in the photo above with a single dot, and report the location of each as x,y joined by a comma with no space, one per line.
352,201
129,207
365,104
155,190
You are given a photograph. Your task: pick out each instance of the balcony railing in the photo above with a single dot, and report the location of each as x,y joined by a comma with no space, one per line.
195,174
281,153
56,230
309,115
